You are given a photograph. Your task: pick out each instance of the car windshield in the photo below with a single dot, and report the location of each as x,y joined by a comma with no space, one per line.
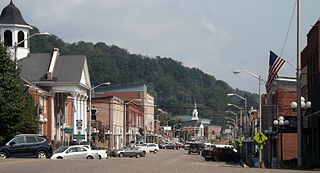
61,149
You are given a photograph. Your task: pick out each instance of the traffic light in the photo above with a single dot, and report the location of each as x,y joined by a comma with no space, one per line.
93,114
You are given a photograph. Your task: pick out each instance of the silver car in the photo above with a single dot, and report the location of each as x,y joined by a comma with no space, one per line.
74,152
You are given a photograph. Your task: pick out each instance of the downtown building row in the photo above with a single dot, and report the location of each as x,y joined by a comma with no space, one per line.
282,144
62,89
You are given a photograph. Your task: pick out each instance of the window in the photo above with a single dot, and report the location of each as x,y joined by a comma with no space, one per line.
41,139
19,140
8,38
21,38
31,139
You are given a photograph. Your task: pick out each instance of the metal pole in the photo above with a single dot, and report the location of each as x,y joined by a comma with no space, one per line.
124,123
260,119
299,118
90,116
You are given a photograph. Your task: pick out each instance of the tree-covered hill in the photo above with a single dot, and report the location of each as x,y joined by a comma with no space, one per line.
174,86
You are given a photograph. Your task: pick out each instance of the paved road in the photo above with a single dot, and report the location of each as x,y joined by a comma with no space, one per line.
166,161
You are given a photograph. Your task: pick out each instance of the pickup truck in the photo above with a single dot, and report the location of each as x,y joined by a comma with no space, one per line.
221,154
103,154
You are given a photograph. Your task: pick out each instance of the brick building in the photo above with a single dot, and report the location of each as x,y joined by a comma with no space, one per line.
310,84
282,142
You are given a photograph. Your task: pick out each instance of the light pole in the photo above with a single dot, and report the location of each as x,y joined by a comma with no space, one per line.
16,44
245,107
240,112
260,104
125,120
90,107
236,121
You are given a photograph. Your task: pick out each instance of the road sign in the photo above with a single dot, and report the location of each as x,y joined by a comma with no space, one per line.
260,137
79,123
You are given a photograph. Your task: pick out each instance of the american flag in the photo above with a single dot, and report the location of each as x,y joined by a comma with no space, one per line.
275,63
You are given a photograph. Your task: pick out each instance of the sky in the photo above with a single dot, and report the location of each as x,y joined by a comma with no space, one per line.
216,36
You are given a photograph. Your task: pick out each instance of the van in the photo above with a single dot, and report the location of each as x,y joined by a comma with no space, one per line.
225,146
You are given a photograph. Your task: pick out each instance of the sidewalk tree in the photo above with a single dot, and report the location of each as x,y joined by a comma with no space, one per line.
16,106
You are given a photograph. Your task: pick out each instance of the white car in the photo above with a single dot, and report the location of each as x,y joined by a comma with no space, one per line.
149,148
103,154
75,152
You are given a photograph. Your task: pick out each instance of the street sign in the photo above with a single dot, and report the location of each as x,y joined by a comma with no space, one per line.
79,123
68,130
260,137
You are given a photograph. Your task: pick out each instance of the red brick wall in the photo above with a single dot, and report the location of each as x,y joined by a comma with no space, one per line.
289,146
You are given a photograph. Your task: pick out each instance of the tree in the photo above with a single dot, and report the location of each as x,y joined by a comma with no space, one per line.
13,100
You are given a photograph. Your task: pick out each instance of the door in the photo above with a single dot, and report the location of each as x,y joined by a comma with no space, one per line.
31,146
16,147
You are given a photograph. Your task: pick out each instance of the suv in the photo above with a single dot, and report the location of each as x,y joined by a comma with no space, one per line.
195,148
27,145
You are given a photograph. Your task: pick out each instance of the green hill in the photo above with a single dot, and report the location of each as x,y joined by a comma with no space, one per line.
174,86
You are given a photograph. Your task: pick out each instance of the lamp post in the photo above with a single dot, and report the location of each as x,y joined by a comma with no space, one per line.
42,120
125,120
280,123
240,110
233,121
245,107
236,121
16,44
260,104
298,107
90,107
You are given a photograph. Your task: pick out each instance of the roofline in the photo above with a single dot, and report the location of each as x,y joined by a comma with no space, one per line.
53,83
17,25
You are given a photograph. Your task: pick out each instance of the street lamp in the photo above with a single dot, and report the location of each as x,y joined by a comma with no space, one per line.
125,120
260,104
42,120
245,106
240,110
236,120
90,107
16,44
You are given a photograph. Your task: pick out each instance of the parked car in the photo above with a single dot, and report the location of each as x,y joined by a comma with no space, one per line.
131,152
75,152
27,145
149,148
103,154
194,148
226,154
179,145
115,152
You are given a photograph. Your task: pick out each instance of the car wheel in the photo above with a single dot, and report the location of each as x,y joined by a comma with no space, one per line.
121,155
207,158
41,155
138,155
189,152
89,157
3,155
165,147
155,151
59,157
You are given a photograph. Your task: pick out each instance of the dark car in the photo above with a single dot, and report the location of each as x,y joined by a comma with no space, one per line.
195,148
27,145
221,154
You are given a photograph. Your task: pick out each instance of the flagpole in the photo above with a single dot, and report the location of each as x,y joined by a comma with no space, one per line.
299,118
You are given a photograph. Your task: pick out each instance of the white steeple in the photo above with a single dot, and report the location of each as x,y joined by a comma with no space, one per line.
13,30
195,112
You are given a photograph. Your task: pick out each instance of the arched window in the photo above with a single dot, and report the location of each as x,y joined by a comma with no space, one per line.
21,38
8,38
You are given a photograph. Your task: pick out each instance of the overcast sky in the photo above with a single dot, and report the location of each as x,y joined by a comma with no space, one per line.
216,36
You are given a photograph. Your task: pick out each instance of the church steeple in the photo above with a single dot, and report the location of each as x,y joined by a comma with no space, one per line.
14,29
195,112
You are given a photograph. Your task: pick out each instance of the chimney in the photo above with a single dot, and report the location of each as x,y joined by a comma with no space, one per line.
54,57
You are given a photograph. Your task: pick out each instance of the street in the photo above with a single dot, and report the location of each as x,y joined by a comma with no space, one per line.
169,161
